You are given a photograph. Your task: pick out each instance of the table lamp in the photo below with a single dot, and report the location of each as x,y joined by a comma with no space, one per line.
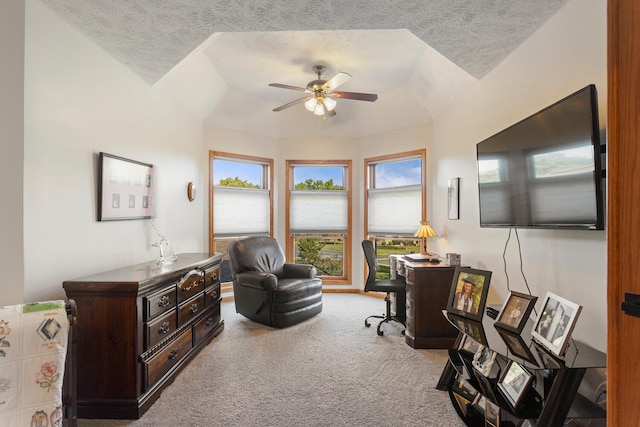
425,231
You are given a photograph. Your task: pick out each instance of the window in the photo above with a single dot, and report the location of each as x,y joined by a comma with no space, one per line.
394,204
242,200
318,217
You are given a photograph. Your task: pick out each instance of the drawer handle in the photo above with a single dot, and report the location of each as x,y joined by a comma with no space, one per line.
164,301
194,308
164,328
173,354
195,285
214,294
210,321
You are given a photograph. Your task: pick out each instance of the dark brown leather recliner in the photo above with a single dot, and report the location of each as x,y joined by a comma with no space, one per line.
268,290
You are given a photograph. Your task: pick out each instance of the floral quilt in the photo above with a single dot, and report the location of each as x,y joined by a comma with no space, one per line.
33,343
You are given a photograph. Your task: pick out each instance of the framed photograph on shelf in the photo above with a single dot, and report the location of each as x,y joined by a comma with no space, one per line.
555,323
472,328
517,346
468,294
483,360
491,414
464,389
514,383
468,345
125,188
515,312
453,198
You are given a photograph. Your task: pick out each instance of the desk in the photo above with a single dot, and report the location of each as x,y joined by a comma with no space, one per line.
428,287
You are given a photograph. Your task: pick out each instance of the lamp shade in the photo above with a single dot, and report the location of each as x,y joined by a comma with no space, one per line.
425,230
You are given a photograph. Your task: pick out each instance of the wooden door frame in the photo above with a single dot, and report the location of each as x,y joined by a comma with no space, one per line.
623,206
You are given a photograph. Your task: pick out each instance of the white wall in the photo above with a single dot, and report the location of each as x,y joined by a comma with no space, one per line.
566,54
80,101
11,149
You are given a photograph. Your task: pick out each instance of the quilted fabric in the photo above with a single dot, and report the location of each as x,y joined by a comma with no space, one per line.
33,343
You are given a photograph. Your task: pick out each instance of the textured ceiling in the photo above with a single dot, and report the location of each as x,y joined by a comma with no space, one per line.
229,50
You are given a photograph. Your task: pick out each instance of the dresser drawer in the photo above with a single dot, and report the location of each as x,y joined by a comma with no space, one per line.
160,328
190,309
167,358
212,276
190,284
159,302
205,326
211,295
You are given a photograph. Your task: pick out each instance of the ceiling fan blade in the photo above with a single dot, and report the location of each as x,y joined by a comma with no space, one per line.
287,105
280,85
335,81
355,95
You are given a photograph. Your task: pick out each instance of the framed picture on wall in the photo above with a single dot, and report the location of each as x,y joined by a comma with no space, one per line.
468,294
555,323
453,198
125,188
515,311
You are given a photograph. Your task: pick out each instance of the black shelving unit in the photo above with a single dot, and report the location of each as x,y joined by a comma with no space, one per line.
553,396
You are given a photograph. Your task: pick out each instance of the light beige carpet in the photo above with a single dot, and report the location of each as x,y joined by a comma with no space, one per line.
327,371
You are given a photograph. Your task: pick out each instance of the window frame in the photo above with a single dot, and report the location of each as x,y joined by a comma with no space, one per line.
370,162
268,182
347,237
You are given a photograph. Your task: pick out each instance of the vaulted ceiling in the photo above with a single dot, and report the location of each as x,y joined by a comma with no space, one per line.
216,57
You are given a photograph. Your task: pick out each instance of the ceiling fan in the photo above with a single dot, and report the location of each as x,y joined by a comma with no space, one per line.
321,93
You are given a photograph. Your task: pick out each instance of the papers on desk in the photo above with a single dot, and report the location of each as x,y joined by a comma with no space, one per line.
422,258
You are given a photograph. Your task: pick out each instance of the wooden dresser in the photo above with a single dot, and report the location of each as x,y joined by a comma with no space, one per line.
138,326
428,287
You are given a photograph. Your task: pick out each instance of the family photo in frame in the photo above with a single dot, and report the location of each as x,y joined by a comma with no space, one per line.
468,294
555,323
514,383
515,312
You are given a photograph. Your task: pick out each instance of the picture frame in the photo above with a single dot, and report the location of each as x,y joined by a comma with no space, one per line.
515,311
469,345
464,389
517,346
555,323
468,294
491,414
125,188
453,198
483,360
514,383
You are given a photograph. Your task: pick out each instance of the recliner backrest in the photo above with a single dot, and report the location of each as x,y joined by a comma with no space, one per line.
258,253
370,255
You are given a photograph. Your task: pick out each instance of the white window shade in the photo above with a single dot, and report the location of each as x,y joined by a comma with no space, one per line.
318,212
395,211
240,212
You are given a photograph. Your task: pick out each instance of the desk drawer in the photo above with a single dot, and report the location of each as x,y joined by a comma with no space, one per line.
161,328
167,358
211,295
212,276
160,302
192,308
205,326
191,284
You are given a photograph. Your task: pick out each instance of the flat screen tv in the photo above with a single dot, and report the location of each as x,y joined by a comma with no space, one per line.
546,170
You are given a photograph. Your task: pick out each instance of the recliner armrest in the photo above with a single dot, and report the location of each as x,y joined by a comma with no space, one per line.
301,271
257,280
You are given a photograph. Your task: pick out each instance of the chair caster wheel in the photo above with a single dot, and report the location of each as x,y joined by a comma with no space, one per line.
402,332
380,333
367,324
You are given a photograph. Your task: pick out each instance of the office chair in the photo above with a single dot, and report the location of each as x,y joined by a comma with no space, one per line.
389,286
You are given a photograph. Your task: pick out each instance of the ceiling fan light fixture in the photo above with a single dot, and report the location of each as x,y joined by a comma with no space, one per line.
311,104
319,110
330,103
